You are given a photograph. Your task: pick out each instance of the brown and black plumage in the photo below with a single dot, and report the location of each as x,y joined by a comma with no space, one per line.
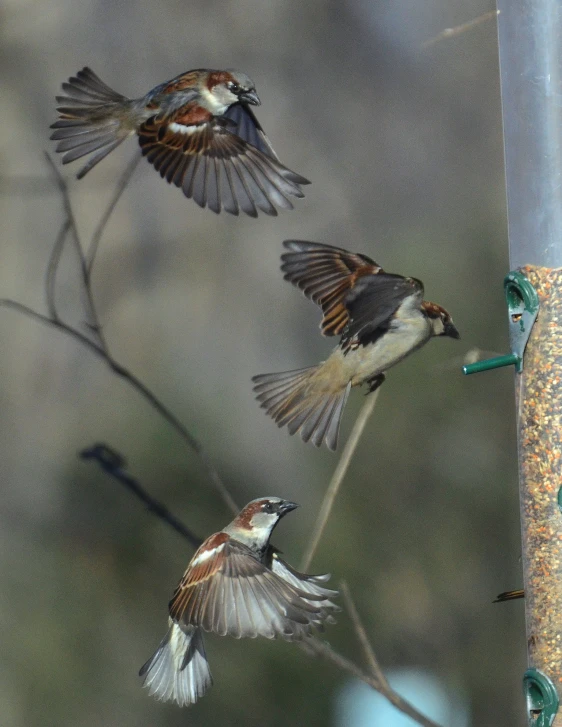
380,317
236,585
197,130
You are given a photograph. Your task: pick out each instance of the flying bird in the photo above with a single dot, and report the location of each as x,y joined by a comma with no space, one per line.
236,584
197,130
381,319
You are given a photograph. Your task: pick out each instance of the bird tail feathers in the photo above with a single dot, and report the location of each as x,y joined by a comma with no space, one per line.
90,120
301,401
178,671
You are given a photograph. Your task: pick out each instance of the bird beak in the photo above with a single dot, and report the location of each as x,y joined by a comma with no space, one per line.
451,331
250,97
286,507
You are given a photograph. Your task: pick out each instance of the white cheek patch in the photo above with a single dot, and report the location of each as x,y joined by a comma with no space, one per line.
206,554
181,128
218,101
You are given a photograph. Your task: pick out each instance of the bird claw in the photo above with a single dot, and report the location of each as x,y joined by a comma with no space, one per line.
374,383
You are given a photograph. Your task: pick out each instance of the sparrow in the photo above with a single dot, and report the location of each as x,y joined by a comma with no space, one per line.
236,584
197,130
381,318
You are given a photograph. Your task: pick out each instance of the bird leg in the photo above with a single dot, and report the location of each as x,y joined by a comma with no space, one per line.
374,383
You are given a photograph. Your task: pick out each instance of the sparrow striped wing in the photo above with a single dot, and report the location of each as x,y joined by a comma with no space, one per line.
214,166
326,274
228,591
247,127
373,301
308,584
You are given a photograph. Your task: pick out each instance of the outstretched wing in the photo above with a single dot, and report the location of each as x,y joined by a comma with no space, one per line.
227,590
356,296
216,168
326,274
311,584
373,300
247,127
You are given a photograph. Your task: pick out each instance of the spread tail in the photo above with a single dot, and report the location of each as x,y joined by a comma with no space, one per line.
301,401
90,120
178,671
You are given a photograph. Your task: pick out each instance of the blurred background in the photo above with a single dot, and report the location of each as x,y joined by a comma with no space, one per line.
403,145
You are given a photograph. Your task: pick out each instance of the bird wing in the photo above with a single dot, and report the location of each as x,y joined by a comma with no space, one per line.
310,584
326,274
372,302
230,592
203,156
247,127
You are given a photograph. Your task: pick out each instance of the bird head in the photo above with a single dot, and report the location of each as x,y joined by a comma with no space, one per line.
441,321
229,87
255,523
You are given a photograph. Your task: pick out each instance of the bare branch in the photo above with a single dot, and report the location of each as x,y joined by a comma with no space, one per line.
54,323
114,464
459,29
93,323
321,648
140,388
193,443
52,267
98,232
99,346
372,660
337,478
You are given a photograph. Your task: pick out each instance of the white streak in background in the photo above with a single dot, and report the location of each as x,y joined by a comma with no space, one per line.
357,705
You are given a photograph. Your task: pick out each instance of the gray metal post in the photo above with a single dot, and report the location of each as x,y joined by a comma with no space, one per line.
530,47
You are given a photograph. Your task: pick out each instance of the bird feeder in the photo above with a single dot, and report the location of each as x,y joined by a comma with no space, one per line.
530,49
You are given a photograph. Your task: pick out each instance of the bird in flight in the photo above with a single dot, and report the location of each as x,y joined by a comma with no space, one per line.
236,585
380,317
198,130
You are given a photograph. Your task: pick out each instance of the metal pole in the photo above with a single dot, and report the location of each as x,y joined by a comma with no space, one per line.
530,48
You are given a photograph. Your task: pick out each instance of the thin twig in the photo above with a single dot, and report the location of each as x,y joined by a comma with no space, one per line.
372,660
139,387
337,477
54,323
459,29
94,323
321,648
114,464
195,444
52,266
104,219
100,347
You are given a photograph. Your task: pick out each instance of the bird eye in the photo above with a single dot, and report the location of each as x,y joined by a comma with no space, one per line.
234,87
268,507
